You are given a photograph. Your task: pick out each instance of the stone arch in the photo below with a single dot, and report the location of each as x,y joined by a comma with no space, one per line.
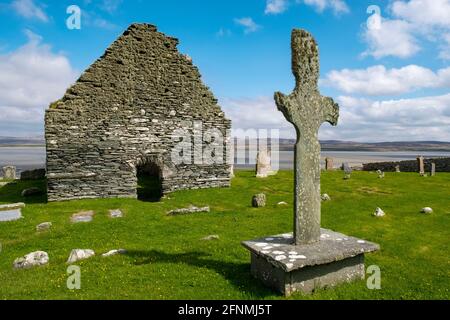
149,173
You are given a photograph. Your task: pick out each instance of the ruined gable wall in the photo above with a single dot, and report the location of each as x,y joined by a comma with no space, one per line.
123,110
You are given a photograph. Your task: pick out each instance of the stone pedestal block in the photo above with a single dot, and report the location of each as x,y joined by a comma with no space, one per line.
288,268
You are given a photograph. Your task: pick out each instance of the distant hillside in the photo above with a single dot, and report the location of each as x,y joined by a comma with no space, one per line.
22,141
334,145
288,145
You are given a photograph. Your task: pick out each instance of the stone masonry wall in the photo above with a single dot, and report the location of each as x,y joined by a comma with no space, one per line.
442,165
122,112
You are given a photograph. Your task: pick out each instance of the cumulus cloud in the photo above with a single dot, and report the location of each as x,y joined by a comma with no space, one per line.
28,9
31,77
430,13
256,113
275,6
361,119
338,6
249,25
426,118
378,80
410,22
391,38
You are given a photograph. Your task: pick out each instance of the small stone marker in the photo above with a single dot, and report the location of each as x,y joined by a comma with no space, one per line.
33,259
427,210
9,173
380,174
84,216
43,226
211,237
329,164
433,169
421,165
347,171
259,200
282,203
379,213
232,171
325,197
397,168
80,254
191,209
114,253
11,212
116,213
263,164
311,257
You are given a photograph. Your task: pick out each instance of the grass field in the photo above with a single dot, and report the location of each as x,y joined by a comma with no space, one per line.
167,259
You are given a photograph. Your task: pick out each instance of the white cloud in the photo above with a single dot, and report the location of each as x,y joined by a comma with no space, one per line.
338,6
28,9
391,38
256,113
378,80
275,6
426,118
410,23
248,24
31,77
423,12
110,6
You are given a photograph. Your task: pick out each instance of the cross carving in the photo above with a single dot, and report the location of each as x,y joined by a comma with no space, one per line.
306,109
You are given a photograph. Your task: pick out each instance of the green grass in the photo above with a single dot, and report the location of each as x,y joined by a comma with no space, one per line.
167,260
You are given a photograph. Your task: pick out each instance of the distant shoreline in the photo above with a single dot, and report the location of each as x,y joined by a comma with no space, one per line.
22,145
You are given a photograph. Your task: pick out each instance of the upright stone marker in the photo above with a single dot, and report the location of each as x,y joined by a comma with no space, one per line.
329,164
397,168
421,165
9,173
433,169
312,257
263,164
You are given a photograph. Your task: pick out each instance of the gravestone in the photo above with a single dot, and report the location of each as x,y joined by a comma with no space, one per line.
347,170
311,257
433,169
329,164
421,165
397,168
9,173
263,164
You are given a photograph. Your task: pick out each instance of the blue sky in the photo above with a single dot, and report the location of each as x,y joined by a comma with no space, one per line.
389,72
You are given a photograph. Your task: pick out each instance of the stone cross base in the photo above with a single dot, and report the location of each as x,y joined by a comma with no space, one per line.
287,268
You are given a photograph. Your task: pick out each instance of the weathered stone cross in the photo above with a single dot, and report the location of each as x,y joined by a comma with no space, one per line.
306,109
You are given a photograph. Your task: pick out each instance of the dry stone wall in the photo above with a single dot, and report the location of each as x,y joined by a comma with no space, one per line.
122,112
442,165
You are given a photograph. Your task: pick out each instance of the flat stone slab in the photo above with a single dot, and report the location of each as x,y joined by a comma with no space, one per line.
11,206
85,216
10,215
333,246
116,213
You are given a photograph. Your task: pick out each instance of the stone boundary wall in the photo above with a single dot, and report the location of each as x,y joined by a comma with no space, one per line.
442,165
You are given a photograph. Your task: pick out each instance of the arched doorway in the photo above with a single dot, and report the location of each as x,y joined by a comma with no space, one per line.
149,180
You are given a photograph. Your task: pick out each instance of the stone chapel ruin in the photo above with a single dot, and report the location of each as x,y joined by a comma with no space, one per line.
119,119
